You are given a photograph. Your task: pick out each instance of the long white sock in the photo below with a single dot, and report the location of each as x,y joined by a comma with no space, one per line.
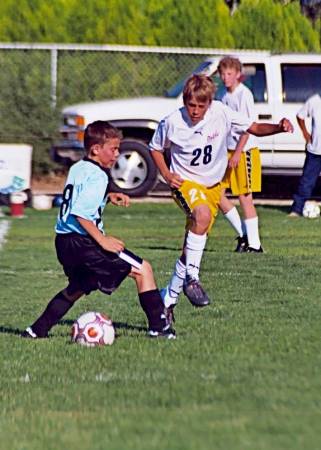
175,285
252,231
194,247
235,220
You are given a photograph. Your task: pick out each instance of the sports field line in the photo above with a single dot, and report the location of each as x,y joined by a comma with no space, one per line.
4,228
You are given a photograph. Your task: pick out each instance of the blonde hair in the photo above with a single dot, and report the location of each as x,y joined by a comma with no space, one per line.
230,62
199,86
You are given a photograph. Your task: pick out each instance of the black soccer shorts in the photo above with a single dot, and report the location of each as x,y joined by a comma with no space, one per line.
88,266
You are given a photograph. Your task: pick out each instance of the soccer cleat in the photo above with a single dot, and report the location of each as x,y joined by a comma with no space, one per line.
254,250
166,333
195,293
242,244
29,334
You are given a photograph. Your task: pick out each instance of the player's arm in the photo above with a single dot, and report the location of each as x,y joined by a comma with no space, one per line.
267,129
306,134
235,158
174,180
109,243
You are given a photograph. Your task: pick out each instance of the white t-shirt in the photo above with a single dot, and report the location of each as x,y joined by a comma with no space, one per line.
199,152
312,108
241,100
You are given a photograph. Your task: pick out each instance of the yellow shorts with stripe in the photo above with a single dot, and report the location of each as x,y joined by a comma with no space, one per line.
246,177
191,194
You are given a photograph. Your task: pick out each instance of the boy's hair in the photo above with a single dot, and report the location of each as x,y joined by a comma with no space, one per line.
230,62
99,132
199,86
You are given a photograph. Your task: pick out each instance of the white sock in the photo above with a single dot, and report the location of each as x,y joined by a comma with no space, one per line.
235,220
175,285
252,231
194,247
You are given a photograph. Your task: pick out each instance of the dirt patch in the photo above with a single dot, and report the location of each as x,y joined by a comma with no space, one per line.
49,184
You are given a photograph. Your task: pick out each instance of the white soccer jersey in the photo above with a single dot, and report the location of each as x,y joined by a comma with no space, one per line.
241,100
199,152
312,108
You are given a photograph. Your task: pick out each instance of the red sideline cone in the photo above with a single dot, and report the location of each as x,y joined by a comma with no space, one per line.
17,204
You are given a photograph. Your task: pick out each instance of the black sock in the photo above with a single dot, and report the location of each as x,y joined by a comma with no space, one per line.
56,309
153,306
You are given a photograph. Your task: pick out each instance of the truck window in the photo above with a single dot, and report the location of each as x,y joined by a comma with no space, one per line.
300,81
254,78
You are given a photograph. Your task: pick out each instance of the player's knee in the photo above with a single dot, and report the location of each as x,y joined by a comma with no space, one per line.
147,269
202,216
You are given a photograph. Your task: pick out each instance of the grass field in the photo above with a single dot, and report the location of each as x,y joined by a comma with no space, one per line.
243,374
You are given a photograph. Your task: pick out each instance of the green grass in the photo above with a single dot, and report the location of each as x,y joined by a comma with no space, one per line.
244,373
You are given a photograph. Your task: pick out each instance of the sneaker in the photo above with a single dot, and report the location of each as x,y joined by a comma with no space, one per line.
29,334
166,333
195,293
254,250
242,244
294,214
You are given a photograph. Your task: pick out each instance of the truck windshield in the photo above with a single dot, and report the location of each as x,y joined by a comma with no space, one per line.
178,87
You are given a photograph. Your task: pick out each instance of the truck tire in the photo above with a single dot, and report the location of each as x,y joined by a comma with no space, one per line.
135,172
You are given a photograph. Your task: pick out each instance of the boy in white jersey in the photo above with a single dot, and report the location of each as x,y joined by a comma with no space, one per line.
92,260
196,137
243,174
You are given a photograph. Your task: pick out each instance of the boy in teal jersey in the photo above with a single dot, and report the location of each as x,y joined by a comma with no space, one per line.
92,260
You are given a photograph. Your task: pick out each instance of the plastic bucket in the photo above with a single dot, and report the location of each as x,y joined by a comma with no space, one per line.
17,201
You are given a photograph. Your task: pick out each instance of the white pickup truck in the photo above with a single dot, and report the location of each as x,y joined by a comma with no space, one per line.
280,84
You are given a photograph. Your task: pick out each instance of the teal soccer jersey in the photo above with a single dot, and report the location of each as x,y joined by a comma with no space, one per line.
85,196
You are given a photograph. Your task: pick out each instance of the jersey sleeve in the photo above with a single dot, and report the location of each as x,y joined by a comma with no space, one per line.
89,195
160,139
239,122
247,105
304,112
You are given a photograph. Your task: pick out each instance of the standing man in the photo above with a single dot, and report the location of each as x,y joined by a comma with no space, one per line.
312,164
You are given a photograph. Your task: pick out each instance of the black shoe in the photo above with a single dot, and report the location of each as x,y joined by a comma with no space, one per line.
195,293
242,244
166,333
29,334
254,250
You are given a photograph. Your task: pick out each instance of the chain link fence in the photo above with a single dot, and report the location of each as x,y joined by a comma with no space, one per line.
36,81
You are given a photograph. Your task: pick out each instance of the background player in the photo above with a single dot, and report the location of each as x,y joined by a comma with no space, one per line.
91,259
196,137
243,174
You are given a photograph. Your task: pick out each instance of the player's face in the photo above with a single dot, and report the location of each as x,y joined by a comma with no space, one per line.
230,77
108,153
196,109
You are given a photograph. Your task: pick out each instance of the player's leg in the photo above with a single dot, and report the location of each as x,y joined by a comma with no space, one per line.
57,308
251,222
231,214
159,324
311,171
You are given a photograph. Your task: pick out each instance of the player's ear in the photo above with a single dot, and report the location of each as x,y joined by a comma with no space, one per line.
95,149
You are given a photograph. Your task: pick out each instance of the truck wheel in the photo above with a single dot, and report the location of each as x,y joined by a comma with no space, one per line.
135,172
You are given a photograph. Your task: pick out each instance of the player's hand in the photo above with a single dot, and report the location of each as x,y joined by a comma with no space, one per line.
111,244
234,160
286,126
118,199
174,180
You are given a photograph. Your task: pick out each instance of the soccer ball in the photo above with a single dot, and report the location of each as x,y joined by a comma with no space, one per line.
311,210
92,329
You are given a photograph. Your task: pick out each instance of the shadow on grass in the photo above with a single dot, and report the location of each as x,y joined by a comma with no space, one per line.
117,325
10,330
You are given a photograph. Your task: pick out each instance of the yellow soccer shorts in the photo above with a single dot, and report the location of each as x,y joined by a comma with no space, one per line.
246,177
191,194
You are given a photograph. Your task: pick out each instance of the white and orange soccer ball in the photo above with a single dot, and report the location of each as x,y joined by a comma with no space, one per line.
93,329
